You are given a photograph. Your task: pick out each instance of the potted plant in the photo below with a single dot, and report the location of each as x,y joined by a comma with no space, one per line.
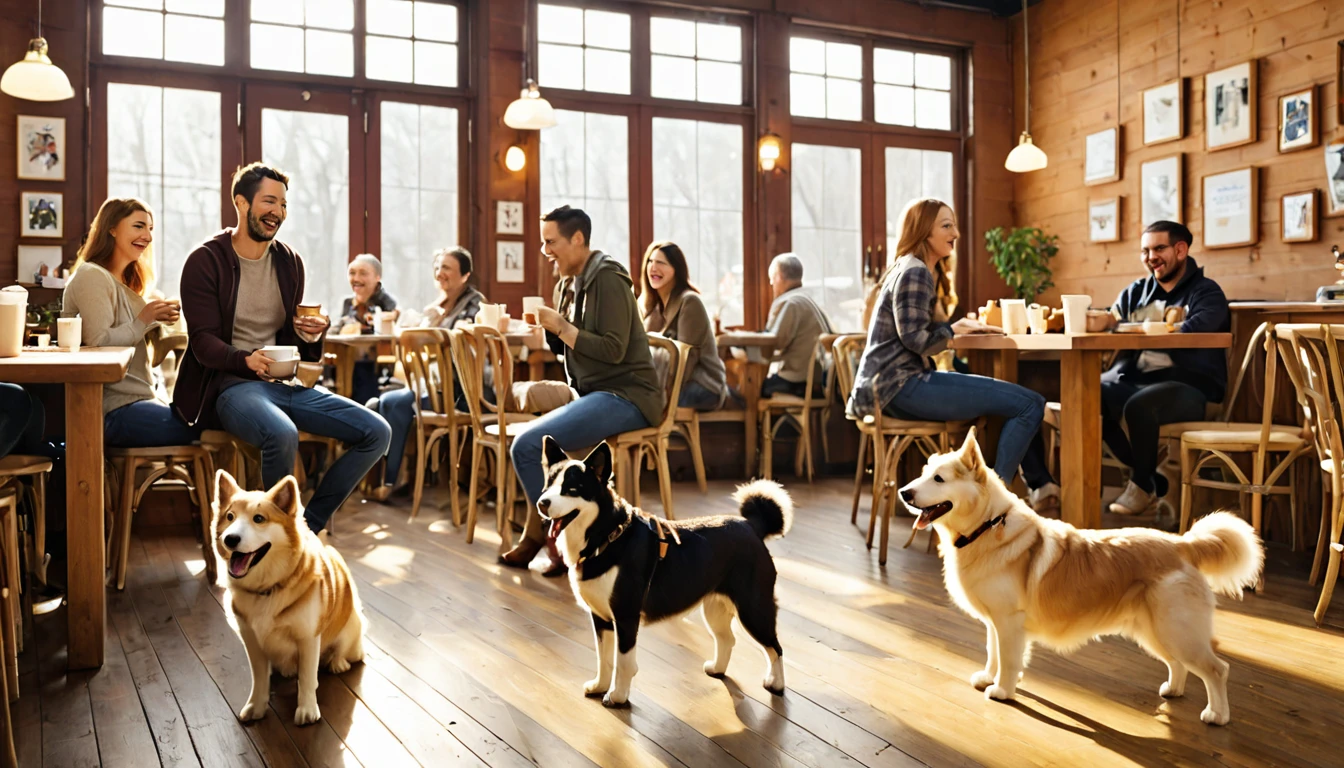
1022,258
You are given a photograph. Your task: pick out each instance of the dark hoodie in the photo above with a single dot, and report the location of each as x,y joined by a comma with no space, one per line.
1205,312
611,353
209,298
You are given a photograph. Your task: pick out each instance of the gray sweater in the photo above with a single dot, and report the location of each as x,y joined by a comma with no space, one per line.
110,318
686,320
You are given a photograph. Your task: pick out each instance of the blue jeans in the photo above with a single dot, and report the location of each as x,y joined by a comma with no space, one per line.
695,396
939,396
581,424
145,424
398,407
269,415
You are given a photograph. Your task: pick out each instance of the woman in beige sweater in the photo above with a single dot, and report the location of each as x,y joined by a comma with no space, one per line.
107,293
672,306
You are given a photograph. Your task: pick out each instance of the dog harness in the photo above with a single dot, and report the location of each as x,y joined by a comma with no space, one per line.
661,527
616,534
978,532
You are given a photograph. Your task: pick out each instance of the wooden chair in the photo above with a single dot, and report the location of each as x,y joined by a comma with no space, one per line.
184,464
845,353
628,448
36,468
780,409
687,424
11,616
426,357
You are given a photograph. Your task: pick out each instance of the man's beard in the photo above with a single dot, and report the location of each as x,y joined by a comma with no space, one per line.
255,230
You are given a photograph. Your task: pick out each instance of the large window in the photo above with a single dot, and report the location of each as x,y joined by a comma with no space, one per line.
312,36
190,31
585,164
912,89
695,61
583,49
826,79
913,174
828,227
411,42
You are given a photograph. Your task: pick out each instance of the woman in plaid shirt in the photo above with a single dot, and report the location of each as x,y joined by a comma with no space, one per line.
897,376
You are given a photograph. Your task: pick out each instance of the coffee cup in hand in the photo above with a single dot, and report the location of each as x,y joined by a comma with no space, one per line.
285,361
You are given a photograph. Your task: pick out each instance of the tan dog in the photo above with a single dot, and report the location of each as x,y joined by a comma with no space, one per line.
1033,579
293,597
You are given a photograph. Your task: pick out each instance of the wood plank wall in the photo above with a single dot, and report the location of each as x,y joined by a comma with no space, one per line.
1090,61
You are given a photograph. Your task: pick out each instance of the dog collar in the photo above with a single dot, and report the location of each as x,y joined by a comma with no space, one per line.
978,532
616,534
271,590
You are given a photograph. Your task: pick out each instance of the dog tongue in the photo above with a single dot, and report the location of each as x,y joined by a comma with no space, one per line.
553,531
238,563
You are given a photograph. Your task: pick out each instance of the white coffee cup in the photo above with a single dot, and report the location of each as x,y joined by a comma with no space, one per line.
69,331
490,315
530,306
1075,312
286,361
1014,315
13,311
385,322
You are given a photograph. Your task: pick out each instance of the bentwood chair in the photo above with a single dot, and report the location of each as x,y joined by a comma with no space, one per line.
782,408
629,448
426,357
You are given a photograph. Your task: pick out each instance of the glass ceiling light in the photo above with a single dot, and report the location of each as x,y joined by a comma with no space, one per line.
529,112
35,78
1026,156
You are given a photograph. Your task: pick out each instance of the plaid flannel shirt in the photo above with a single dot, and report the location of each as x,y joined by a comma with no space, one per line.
902,337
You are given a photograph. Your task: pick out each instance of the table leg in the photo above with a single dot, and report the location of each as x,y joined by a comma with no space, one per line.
536,367
752,379
345,370
84,523
1080,438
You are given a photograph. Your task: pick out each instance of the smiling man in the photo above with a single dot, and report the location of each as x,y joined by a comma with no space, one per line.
240,290
1146,388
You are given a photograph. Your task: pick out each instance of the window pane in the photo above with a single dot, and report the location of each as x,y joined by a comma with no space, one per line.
132,33
153,5
894,104
314,149
435,64
672,77
387,58
913,174
844,60
719,41
605,29
559,24
199,7
844,99
807,56
435,21
330,14
585,163
933,109
560,66
827,236
807,96
419,196
674,36
606,71
330,53
278,11
388,17
193,39
895,67
933,71
277,48
719,82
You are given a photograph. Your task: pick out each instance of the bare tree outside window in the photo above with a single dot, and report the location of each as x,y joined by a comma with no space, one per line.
827,228
585,163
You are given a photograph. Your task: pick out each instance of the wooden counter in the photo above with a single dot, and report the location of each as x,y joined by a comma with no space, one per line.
1246,317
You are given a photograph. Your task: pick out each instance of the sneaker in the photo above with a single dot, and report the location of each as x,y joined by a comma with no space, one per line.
1133,501
1045,498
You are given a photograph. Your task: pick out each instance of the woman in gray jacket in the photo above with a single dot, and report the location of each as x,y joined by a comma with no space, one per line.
671,306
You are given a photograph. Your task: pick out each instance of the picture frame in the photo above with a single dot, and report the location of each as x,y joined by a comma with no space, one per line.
1339,83
1101,164
1334,178
1231,208
41,214
1103,220
509,261
41,148
1163,113
33,257
1299,216
1298,128
1231,97
1161,189
508,217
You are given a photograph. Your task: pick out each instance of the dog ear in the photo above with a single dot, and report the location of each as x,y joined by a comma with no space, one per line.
551,453
599,461
225,488
285,495
970,451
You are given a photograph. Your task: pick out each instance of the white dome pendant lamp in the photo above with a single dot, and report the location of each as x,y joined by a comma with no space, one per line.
1026,156
35,78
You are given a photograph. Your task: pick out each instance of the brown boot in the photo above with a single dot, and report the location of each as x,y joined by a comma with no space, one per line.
556,567
521,555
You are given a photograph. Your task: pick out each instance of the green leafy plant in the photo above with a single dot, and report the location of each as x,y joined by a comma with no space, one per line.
1022,258
41,318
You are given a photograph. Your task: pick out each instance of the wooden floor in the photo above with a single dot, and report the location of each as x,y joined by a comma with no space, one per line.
470,664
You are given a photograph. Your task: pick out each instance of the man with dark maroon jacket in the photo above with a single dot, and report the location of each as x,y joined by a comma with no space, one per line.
240,290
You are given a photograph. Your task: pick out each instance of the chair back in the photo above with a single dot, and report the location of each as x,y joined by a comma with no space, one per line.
677,354
1247,362
495,352
825,344
467,358
1312,360
845,353
426,358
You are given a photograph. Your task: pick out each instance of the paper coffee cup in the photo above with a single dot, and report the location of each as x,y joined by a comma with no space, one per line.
490,315
1014,316
310,309
68,333
1075,312
531,304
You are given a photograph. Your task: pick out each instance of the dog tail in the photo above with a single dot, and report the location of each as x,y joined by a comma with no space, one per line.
1227,550
766,506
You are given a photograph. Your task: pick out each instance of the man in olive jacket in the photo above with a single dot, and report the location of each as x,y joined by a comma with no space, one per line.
597,328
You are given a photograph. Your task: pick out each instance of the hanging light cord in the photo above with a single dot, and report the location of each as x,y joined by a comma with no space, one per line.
1026,61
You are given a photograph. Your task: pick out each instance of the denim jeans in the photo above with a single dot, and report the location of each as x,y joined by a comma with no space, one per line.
775,384
697,397
1144,409
145,424
939,396
581,424
398,407
269,415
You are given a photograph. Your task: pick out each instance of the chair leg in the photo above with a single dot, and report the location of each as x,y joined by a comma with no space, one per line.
632,467
858,476
800,448
807,446
421,458
1329,501
1331,573
879,485
665,480
889,507
13,622
454,473
1294,514
503,515
476,458
823,420
1187,492
1257,514
207,534
697,457
40,563
126,512
767,447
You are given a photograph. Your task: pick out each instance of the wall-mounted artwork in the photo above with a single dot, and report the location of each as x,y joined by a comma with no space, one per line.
1102,164
1160,183
1231,209
1230,106
38,260
1297,120
509,261
1298,212
1103,220
41,214
1334,179
41,143
1163,113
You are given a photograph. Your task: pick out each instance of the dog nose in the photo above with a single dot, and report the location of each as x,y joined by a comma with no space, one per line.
231,541
908,496
544,505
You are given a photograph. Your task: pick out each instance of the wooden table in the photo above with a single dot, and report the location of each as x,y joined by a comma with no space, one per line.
346,349
753,377
1080,398
83,373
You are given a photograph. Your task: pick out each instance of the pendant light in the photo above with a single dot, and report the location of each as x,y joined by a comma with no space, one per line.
1026,156
35,78
529,112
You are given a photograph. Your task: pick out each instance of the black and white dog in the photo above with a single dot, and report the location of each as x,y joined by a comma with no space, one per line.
626,565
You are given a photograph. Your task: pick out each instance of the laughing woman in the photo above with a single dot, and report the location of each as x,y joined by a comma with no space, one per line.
905,332
672,307
107,292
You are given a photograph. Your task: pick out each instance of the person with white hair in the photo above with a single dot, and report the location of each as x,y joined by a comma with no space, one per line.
796,322
366,280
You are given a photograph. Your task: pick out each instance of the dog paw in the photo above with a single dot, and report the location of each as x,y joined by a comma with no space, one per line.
614,702
1214,718
774,683
306,714
252,711
998,693
982,680
338,665
714,671
1169,691
596,687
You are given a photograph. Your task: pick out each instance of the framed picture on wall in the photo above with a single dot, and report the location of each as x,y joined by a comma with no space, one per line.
1103,220
1298,213
1230,106
1231,208
508,217
1102,163
1334,179
1160,186
1297,120
41,214
508,261
1164,113
37,260
41,142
